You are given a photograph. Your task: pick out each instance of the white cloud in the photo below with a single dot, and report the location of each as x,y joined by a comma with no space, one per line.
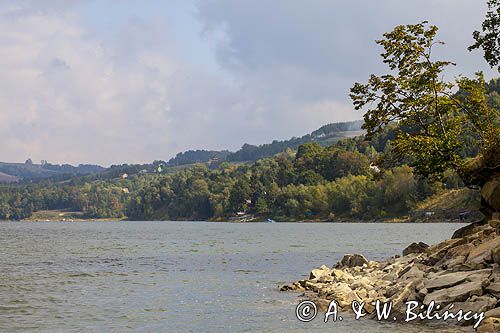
69,93
65,97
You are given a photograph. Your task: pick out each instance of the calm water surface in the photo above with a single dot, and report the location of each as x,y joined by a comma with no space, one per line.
181,276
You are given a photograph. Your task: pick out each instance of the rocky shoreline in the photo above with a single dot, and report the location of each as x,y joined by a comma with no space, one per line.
463,270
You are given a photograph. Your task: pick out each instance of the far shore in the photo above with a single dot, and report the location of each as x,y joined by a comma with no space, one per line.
340,221
75,216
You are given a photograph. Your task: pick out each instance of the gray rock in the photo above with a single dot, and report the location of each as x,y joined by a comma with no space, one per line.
415,248
322,304
494,289
412,273
455,261
493,313
353,260
489,325
292,287
482,252
319,272
408,292
452,279
467,230
439,251
491,193
458,293
475,304
495,254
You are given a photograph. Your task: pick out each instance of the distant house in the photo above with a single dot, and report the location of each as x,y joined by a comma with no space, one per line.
374,168
124,176
213,160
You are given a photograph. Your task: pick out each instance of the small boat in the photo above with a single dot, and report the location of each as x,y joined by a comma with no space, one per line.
271,221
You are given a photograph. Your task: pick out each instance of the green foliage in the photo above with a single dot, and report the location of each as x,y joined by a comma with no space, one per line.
313,183
198,156
432,120
325,136
489,39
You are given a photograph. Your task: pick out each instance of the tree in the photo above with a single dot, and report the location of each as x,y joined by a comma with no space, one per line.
489,40
337,163
430,116
261,206
238,195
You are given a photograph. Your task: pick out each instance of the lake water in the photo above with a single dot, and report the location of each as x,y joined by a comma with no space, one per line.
181,276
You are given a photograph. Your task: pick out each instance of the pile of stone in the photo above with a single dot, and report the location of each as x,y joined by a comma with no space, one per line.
464,271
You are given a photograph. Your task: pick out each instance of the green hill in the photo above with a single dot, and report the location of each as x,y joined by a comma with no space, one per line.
325,136
12,172
5,178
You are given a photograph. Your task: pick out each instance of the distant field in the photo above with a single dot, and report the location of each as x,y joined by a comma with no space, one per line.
447,205
5,178
63,215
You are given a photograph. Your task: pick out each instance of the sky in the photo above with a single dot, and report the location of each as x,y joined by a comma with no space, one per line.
132,81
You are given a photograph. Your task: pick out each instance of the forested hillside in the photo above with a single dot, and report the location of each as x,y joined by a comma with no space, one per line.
314,182
353,178
325,136
31,171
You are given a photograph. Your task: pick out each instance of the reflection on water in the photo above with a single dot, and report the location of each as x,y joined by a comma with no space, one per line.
181,276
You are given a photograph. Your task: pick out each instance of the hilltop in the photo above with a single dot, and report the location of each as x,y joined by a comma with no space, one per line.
12,172
325,136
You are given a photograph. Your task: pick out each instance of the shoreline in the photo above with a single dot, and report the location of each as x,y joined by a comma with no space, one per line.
463,271
377,221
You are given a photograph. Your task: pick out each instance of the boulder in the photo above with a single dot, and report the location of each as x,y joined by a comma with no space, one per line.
313,286
452,279
362,283
341,276
494,223
493,313
292,287
349,298
353,260
325,279
460,250
475,304
495,254
322,304
458,293
467,230
455,256
490,192
415,248
489,325
483,303
399,299
482,252
343,294
437,252
421,294
412,273
494,289
319,272
452,262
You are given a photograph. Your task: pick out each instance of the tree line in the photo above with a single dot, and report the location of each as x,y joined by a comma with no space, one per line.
313,182
422,135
